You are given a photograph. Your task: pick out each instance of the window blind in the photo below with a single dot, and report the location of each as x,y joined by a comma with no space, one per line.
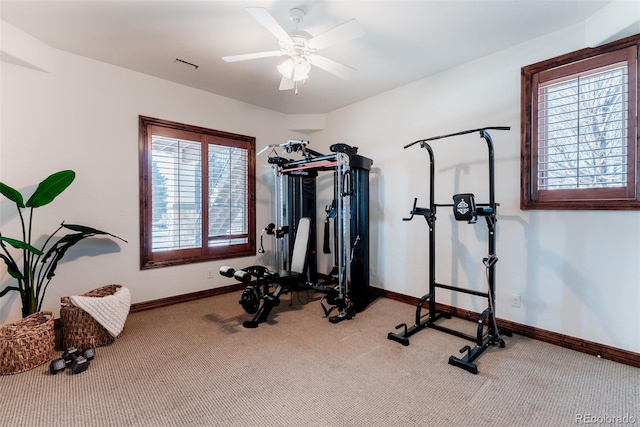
176,200
582,130
228,195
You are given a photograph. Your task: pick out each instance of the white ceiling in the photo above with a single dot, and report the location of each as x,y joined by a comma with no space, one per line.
404,40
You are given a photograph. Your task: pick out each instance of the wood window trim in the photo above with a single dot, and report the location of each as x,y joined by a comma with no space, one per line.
527,110
207,136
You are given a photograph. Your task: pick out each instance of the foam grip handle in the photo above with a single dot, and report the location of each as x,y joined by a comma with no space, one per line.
227,271
242,276
326,245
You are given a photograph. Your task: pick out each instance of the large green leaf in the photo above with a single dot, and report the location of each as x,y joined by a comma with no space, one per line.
12,194
19,244
50,188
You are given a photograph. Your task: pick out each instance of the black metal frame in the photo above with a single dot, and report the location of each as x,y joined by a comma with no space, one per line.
351,292
483,339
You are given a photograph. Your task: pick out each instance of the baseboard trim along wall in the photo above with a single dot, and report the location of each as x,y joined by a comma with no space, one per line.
599,350
577,344
177,299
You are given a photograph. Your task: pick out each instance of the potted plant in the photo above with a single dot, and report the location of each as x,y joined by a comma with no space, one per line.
39,265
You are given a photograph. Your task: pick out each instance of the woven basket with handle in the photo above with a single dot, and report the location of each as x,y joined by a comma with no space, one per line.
27,343
79,329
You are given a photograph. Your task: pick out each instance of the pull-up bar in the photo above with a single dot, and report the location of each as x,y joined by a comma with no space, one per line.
464,132
483,134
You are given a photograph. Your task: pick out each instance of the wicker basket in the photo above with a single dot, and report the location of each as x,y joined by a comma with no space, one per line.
27,343
79,329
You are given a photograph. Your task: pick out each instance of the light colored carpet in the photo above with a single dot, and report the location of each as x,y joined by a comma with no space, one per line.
193,364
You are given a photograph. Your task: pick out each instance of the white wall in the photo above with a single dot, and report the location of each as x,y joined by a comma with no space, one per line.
83,115
577,272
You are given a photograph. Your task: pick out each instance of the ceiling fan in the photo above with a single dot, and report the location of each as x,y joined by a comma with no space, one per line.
301,47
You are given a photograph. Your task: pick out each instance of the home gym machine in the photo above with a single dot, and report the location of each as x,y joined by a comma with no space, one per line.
347,287
464,209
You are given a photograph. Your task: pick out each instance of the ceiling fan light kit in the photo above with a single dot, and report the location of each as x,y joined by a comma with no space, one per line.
296,68
301,48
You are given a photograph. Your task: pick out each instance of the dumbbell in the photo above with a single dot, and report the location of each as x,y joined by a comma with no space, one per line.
76,360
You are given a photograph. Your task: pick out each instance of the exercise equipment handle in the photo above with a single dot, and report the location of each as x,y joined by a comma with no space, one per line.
413,210
459,133
326,246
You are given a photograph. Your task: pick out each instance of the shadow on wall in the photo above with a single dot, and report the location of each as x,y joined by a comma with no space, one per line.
92,247
324,197
530,278
376,218
464,263
572,281
87,248
267,242
581,286
8,301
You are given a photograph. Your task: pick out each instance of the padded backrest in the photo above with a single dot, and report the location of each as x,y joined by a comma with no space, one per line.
300,246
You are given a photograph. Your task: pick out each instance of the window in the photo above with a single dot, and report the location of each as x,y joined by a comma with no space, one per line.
580,130
197,194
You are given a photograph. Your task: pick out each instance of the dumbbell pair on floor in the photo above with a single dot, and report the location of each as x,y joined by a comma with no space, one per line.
76,360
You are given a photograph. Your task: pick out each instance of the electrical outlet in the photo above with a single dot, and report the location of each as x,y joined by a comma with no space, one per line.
516,300
209,274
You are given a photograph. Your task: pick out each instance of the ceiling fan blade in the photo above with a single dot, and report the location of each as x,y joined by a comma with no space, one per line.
332,66
263,16
244,57
344,32
286,84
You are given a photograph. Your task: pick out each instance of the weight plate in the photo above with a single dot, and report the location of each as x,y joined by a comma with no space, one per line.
250,299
